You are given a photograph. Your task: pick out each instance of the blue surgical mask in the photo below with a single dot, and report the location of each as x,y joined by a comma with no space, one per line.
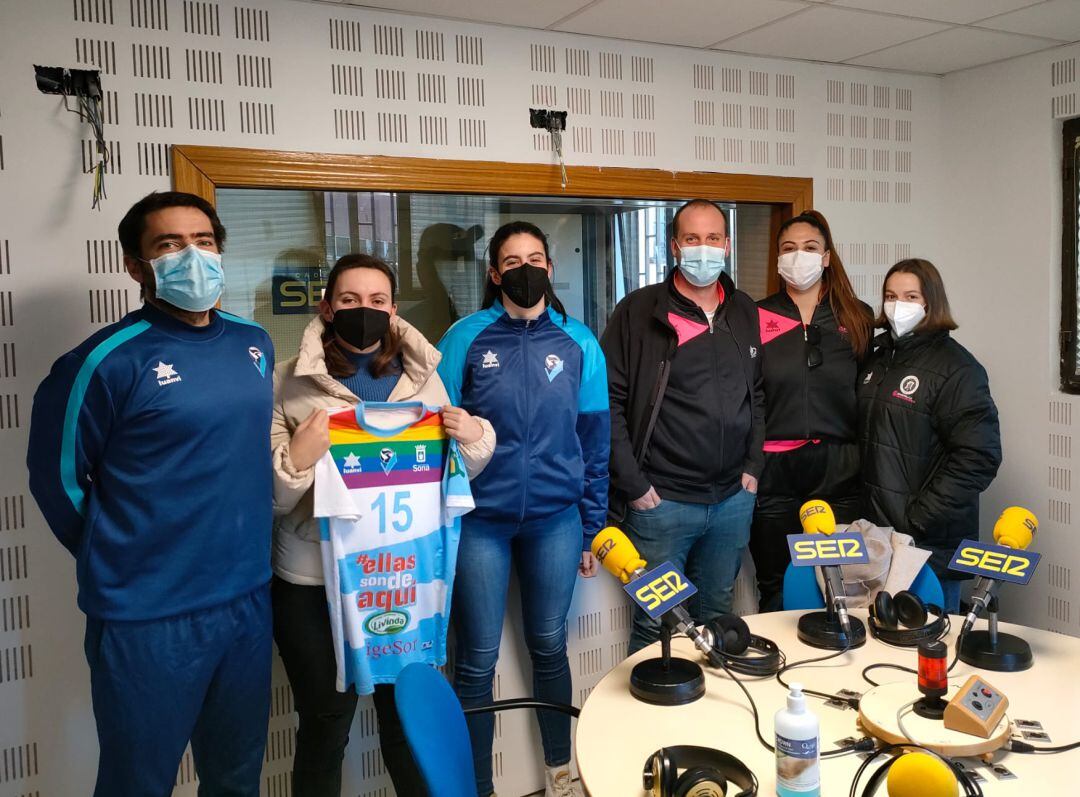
701,265
190,279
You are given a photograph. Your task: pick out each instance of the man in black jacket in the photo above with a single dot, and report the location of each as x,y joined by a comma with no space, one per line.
687,416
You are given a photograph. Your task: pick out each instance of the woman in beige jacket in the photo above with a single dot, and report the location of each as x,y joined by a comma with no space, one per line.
356,349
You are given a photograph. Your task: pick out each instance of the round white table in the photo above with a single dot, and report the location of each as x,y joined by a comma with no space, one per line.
616,733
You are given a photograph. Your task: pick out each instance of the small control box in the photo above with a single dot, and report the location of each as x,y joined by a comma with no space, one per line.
976,709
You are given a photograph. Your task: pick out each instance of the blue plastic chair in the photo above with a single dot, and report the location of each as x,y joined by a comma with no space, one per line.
801,589
434,725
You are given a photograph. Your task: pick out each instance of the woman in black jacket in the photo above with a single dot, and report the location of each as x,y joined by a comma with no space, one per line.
928,428
814,332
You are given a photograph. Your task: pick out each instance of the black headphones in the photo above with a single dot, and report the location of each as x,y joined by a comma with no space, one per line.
968,785
740,650
706,773
903,619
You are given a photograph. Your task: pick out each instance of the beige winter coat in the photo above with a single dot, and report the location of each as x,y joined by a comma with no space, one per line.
302,385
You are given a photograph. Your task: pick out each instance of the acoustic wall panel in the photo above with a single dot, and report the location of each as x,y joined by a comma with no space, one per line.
328,78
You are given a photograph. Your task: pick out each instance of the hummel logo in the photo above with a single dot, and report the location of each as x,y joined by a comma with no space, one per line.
166,374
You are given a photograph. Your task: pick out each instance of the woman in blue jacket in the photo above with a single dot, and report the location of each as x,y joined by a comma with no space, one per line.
540,378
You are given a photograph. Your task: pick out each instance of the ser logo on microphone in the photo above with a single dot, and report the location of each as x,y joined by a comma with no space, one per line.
603,550
999,562
661,589
815,550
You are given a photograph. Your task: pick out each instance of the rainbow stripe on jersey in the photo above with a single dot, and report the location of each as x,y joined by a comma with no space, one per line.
390,492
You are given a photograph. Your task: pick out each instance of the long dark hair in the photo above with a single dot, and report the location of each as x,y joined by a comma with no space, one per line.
491,290
938,314
849,311
338,363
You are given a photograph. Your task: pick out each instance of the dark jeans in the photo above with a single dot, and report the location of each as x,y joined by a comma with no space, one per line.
829,471
705,541
546,553
302,633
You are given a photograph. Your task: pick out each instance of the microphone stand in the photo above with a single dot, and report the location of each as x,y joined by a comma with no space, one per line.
995,650
823,629
667,680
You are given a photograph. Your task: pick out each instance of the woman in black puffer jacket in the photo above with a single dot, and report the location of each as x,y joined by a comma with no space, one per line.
928,428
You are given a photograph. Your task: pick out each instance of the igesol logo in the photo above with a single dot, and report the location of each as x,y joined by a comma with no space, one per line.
387,622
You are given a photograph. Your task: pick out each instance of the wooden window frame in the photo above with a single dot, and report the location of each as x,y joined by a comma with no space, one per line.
202,170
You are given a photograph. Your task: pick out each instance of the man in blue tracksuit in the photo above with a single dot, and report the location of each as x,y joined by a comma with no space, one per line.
149,457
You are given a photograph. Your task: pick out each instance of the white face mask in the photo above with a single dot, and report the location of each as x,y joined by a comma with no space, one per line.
800,269
903,316
701,265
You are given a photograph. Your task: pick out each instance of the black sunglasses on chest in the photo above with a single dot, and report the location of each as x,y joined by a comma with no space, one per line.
812,335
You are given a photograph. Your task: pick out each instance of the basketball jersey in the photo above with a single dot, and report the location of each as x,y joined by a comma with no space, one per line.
390,493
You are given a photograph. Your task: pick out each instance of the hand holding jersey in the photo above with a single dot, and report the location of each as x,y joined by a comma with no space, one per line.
460,425
310,440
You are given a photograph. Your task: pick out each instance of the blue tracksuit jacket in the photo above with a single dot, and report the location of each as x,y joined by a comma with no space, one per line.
150,458
543,385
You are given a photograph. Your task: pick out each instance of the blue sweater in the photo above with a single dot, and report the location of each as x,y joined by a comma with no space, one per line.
365,386
543,385
150,458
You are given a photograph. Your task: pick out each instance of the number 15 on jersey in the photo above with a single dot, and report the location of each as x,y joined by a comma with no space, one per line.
401,512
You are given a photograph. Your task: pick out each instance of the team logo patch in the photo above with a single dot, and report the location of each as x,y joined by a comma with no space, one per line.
753,352
351,463
553,364
491,359
166,374
387,458
909,384
259,360
868,377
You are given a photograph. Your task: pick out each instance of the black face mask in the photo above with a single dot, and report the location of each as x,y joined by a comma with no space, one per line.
525,285
360,327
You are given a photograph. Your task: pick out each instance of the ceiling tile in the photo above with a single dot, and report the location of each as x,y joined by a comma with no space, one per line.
958,48
1057,19
962,11
526,15
826,33
694,23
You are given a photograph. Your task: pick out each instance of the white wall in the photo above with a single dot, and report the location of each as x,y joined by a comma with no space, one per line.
872,141
1001,259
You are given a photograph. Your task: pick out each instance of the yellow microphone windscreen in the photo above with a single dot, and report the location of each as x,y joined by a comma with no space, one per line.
921,775
817,517
1016,527
616,553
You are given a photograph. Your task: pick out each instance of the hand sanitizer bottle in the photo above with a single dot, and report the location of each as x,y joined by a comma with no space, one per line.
797,736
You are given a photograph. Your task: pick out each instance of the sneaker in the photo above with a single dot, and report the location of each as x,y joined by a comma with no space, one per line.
557,782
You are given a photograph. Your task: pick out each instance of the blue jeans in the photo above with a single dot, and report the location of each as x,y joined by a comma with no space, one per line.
705,541
203,676
546,553
951,588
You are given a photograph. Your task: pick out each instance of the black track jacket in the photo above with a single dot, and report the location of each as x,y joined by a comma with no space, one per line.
806,403
654,332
